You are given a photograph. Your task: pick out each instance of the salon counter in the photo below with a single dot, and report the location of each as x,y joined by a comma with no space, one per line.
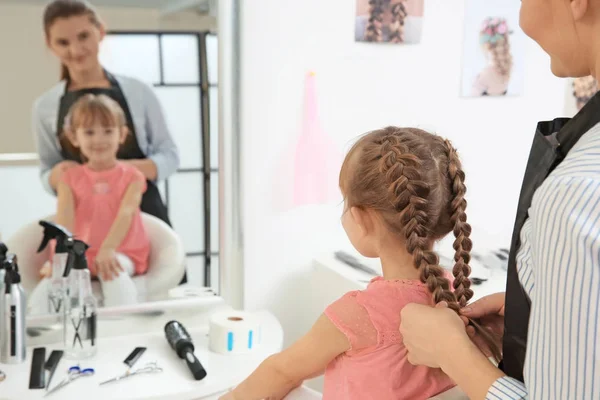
175,382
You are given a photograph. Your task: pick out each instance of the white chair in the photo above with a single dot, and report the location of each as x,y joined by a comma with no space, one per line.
166,264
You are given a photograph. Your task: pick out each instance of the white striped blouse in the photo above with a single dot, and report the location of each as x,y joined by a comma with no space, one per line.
559,267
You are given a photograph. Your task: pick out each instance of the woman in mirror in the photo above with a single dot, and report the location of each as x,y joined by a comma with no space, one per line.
74,31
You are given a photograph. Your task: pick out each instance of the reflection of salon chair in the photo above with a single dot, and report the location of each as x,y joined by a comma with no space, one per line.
166,264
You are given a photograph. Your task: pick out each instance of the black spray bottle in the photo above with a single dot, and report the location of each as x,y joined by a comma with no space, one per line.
64,238
12,325
3,252
80,305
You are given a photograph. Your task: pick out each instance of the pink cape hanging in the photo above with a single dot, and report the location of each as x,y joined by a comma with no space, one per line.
314,162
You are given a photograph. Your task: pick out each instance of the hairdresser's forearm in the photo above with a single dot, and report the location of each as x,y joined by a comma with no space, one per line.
146,166
268,380
470,369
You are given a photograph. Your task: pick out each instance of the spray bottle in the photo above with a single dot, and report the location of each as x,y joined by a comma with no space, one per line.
12,325
57,288
80,305
3,251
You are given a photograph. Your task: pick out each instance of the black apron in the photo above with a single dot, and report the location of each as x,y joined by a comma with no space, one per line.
151,201
552,142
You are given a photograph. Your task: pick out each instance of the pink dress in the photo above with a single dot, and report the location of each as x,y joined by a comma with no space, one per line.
98,196
376,366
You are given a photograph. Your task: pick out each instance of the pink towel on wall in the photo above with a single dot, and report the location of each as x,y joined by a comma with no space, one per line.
314,161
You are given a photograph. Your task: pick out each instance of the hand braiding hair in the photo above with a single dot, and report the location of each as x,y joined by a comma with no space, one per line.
374,32
399,14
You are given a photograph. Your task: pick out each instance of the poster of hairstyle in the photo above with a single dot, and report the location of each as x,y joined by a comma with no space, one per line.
583,90
389,21
493,49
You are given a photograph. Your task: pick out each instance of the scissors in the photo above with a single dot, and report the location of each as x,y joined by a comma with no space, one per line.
74,373
147,369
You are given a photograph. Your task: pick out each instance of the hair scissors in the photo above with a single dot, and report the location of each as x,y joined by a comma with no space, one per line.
147,369
74,373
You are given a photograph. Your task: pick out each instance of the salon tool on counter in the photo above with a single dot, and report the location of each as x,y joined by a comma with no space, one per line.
80,308
12,325
37,374
149,368
2,376
3,252
64,239
74,373
234,332
353,262
130,361
51,364
181,342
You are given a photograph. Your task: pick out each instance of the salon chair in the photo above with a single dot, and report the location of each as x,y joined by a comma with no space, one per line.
165,268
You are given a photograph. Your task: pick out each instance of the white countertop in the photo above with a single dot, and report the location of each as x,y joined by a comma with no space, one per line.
175,382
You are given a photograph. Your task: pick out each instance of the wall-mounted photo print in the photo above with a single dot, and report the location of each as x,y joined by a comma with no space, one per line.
493,53
389,21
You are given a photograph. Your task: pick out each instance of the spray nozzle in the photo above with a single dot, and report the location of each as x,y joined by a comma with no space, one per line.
12,271
76,258
58,232
3,251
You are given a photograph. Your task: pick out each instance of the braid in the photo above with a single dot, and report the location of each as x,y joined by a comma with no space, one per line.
373,32
408,194
502,57
399,14
462,230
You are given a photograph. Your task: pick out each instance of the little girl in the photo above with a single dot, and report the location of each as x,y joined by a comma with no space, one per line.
99,200
403,191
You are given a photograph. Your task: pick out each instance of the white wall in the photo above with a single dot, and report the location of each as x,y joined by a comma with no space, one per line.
363,87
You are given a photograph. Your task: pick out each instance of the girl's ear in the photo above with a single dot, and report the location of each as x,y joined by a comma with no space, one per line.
123,134
363,219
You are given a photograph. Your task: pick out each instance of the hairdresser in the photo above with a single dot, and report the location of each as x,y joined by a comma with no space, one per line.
73,32
551,309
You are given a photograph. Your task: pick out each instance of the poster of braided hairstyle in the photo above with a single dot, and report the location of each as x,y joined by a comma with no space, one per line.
584,89
389,21
493,49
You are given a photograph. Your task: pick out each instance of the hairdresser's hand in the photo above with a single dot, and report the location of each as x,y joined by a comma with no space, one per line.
46,271
489,312
107,265
58,170
420,326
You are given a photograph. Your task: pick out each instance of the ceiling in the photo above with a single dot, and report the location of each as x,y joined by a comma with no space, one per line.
166,6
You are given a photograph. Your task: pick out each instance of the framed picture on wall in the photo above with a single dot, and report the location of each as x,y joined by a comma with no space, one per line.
493,49
389,21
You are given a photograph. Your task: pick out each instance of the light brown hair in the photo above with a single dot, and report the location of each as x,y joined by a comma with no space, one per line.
415,181
88,111
374,29
65,9
494,36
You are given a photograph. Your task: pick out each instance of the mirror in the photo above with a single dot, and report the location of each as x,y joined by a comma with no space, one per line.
170,47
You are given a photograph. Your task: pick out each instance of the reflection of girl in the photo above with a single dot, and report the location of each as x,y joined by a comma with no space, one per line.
494,79
388,21
584,89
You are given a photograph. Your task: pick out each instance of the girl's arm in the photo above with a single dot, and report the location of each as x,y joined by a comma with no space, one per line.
65,206
285,371
129,207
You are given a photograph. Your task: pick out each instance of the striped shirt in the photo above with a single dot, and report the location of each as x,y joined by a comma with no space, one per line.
151,129
559,267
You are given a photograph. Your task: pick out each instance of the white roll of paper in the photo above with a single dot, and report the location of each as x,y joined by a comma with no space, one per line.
234,332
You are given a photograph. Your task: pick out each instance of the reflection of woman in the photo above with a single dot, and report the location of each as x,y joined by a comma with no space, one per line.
390,21
584,89
550,314
73,33
494,79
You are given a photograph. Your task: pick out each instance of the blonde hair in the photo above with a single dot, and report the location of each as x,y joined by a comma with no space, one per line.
414,181
494,38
